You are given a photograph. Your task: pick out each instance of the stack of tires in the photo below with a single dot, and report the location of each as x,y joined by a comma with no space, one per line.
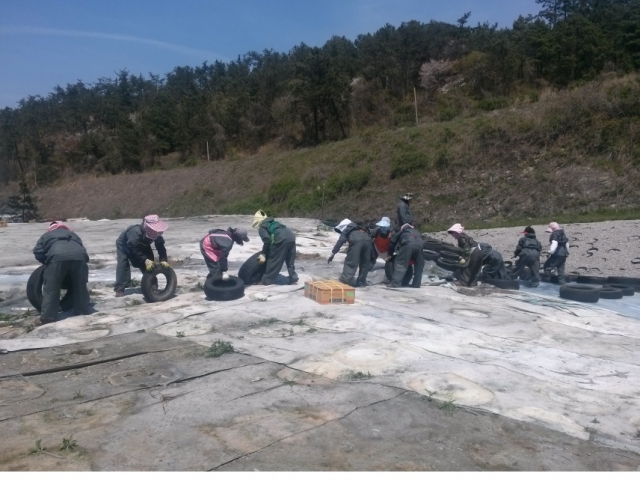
589,289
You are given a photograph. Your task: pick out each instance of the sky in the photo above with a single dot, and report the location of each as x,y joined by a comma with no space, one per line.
45,43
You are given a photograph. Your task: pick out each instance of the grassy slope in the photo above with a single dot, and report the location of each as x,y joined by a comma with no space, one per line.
571,156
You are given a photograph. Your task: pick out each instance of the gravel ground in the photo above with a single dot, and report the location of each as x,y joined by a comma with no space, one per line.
610,248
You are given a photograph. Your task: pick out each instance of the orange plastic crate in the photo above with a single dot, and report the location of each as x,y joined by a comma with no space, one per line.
329,291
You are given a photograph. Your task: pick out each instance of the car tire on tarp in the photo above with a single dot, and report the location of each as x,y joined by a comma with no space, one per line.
430,255
149,285
503,284
625,280
581,293
389,268
609,293
626,289
220,290
447,264
591,280
432,246
34,291
251,272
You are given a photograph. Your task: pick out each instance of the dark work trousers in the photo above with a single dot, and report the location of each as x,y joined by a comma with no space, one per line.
401,264
558,263
54,275
283,252
358,256
215,268
470,273
533,264
494,268
123,270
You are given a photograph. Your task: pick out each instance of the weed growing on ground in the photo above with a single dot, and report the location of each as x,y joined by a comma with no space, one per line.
311,330
180,334
322,315
219,348
299,322
199,287
358,376
78,395
289,382
267,321
68,444
135,302
430,394
134,283
29,327
38,448
448,405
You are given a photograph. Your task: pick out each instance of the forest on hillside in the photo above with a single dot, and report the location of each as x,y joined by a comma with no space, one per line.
314,94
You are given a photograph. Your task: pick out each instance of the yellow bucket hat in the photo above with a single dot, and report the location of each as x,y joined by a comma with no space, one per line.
258,217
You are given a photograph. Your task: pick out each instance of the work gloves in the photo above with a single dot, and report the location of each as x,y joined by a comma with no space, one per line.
330,258
225,276
389,258
262,259
149,265
462,261
165,264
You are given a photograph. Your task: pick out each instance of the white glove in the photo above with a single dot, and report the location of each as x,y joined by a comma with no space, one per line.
225,276
261,259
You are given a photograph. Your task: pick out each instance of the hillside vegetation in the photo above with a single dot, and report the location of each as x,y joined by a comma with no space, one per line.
571,153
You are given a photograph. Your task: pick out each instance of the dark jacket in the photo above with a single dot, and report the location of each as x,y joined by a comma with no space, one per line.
404,213
466,243
563,243
137,246
60,245
406,237
528,247
220,240
272,232
351,234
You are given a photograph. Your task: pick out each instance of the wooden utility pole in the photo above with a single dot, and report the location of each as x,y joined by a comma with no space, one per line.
415,102
208,152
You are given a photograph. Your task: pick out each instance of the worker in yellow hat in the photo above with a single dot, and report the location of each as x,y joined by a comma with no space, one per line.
279,247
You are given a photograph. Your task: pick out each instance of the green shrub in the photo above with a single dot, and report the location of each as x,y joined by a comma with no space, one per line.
442,160
280,190
352,181
408,163
492,104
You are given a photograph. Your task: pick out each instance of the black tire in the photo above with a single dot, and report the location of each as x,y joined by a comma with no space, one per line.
504,284
34,291
450,248
626,290
430,255
219,290
444,254
624,280
251,272
149,285
591,280
609,293
446,264
582,293
431,246
388,272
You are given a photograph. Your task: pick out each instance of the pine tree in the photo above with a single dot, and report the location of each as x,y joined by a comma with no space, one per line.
24,202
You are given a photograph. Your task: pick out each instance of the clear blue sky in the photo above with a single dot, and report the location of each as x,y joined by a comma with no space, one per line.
44,43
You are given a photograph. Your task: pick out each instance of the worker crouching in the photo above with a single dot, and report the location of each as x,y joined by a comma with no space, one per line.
279,247
133,248
62,253
358,252
216,246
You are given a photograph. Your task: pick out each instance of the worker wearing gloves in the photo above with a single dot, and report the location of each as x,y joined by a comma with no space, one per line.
381,239
471,260
528,254
358,252
404,210
279,248
493,265
558,251
407,244
62,253
134,246
216,246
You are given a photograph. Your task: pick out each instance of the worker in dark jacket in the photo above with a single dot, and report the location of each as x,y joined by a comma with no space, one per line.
358,252
407,245
62,253
493,267
134,246
279,248
472,257
558,251
404,210
216,246
528,254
